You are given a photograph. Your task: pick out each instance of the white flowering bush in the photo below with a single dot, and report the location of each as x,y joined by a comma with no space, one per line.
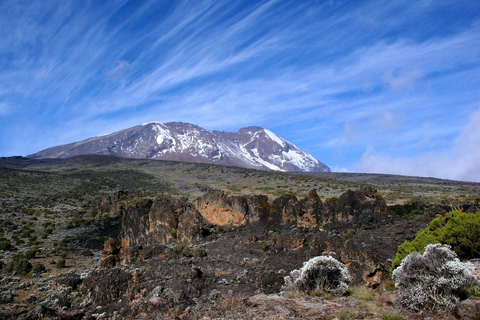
320,274
435,278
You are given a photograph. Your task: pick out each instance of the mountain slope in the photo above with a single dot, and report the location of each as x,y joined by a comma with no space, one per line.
251,147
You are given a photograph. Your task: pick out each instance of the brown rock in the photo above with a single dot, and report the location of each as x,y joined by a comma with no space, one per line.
468,309
110,255
68,279
43,312
148,225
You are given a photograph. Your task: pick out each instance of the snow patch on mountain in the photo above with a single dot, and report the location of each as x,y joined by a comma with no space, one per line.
251,147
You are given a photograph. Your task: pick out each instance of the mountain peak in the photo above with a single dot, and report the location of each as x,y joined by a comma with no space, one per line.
251,147
250,129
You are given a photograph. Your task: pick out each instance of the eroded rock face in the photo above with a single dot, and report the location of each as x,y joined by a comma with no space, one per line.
161,222
110,255
219,209
353,208
287,224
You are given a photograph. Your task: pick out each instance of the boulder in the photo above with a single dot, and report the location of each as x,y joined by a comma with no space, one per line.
468,309
110,255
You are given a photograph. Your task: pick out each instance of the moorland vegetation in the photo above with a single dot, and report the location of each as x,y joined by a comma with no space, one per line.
59,220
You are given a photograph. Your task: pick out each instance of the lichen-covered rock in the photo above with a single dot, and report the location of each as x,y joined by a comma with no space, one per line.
110,255
355,208
155,224
219,209
105,287
468,309
68,279
6,295
43,312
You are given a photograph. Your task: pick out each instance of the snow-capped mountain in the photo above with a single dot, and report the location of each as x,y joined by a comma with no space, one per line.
251,147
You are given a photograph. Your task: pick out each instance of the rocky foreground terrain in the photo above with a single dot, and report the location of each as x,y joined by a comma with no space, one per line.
108,238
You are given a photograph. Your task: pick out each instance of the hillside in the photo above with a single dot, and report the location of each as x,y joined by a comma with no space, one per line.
56,214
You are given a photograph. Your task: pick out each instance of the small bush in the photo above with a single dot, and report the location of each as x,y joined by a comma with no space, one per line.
36,269
345,315
5,244
103,239
436,278
350,233
179,247
456,229
19,264
61,263
320,274
183,249
30,254
174,233
472,291
199,252
391,316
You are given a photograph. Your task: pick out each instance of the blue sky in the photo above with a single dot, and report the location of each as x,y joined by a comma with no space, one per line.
364,86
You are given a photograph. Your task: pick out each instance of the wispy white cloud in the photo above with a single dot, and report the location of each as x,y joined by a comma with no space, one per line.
4,109
405,79
332,77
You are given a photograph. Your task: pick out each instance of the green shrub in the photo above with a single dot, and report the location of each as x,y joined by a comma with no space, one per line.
199,252
457,229
350,233
30,254
179,247
391,316
36,269
5,244
183,249
61,263
473,290
174,233
103,239
19,264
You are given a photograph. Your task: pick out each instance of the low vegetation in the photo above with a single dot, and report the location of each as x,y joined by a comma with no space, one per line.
436,278
323,274
458,229
49,216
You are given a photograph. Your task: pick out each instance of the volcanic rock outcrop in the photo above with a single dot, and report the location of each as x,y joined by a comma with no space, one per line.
281,225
